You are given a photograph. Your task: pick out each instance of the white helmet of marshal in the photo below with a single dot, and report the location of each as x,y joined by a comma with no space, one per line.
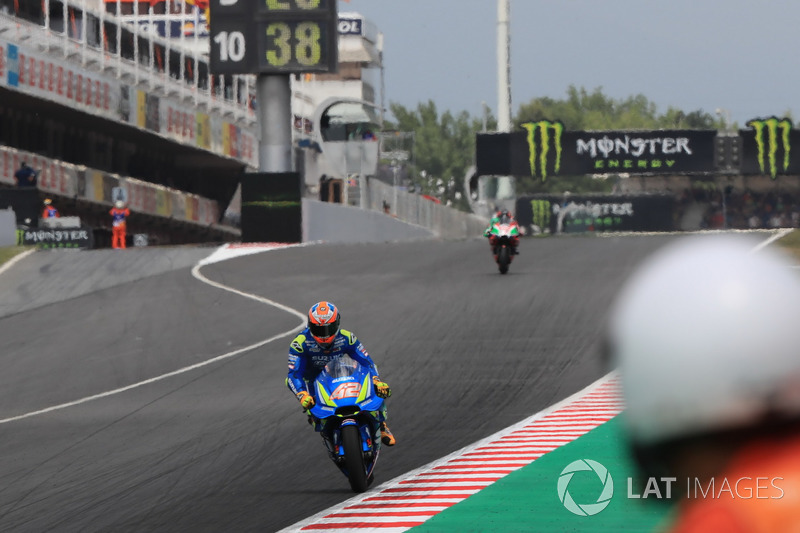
706,335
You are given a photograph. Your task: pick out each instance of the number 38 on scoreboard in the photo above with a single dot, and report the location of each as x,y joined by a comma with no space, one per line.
273,36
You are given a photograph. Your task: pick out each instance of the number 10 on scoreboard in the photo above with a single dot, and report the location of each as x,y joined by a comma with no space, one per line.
273,36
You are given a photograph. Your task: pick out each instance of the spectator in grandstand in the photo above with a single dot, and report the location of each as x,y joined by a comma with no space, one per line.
705,337
119,214
25,176
49,210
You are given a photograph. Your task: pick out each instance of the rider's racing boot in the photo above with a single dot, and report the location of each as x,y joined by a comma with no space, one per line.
386,436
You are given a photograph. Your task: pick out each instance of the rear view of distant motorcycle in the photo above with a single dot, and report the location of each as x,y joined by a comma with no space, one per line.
503,235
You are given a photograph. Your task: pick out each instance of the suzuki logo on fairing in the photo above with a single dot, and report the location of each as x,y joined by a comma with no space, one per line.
768,142
539,145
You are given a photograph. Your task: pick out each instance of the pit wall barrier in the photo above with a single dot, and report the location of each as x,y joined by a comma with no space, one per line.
58,178
337,223
8,228
445,222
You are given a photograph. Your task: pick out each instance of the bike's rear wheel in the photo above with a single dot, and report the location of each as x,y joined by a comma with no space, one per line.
354,458
503,258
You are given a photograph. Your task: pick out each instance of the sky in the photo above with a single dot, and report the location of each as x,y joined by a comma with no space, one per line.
739,56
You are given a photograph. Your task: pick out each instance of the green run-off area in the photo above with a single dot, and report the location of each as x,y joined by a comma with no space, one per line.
528,499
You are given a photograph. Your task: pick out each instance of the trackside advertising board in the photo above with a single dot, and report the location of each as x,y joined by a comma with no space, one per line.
544,149
767,147
557,213
271,207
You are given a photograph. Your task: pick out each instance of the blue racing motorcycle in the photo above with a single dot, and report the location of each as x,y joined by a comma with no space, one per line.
348,414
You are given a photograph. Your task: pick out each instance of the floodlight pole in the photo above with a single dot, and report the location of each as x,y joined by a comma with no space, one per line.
503,67
505,187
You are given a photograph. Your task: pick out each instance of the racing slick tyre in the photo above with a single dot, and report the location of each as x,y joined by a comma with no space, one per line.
354,458
503,259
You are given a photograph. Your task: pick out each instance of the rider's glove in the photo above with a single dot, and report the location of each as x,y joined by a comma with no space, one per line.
306,400
381,388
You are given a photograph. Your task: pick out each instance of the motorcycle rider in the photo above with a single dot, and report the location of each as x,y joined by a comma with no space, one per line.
503,216
320,342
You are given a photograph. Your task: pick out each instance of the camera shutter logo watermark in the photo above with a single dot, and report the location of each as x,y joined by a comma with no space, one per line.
768,142
539,137
585,509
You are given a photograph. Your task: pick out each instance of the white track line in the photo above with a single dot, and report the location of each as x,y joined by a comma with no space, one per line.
778,234
196,273
11,262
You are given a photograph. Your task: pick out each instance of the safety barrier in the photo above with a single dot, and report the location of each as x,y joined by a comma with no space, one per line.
73,181
444,221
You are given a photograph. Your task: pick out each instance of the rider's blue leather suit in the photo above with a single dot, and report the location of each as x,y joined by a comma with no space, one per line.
307,359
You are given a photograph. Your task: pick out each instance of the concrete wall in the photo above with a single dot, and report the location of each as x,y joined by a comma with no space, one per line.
8,227
341,223
444,221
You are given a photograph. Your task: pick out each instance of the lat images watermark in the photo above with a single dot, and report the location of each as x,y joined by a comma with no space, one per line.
590,472
743,488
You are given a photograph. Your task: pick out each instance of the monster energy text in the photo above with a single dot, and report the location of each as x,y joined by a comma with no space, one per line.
645,153
768,142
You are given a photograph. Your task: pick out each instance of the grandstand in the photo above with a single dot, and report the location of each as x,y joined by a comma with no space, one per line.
114,98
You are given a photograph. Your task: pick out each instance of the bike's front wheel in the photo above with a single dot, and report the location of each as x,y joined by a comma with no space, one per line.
354,458
503,259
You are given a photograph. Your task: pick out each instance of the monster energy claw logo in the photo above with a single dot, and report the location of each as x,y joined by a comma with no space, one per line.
767,142
541,210
539,145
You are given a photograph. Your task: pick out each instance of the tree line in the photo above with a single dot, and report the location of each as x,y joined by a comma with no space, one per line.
444,143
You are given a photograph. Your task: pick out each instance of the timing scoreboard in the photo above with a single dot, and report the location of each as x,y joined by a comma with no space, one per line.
273,36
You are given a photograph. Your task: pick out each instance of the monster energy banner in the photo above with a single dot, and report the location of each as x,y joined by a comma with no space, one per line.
545,149
271,209
557,213
767,147
70,238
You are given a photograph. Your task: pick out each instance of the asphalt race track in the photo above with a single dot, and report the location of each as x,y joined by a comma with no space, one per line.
224,447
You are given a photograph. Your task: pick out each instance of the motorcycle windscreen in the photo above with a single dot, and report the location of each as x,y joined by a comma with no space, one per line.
341,367
343,382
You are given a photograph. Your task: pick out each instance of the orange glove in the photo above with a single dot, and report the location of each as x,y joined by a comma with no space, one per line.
306,400
381,388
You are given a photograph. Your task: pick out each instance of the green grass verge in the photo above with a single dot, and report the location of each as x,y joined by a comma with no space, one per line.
8,252
791,243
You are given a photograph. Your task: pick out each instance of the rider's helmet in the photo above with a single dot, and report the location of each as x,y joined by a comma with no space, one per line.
119,204
706,338
504,216
48,201
323,323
